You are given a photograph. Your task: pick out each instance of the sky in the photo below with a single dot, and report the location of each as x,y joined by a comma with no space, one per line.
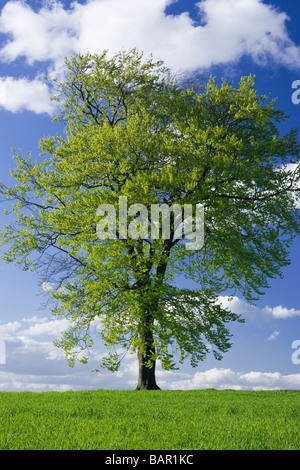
223,38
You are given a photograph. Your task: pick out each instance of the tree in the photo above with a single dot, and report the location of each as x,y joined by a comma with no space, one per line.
134,134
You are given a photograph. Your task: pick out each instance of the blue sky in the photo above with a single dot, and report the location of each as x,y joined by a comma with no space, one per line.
226,38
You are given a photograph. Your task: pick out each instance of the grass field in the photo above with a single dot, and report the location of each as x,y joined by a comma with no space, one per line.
158,420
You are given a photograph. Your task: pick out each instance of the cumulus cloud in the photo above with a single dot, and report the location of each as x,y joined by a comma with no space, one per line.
18,94
282,312
9,329
48,327
225,31
254,313
46,35
31,362
229,379
228,29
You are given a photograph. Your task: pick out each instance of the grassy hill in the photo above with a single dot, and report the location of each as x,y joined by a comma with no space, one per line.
158,420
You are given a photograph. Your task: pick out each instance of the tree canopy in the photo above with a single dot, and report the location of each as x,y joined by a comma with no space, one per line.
133,130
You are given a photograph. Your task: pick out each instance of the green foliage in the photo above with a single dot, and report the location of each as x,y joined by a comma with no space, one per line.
132,130
119,420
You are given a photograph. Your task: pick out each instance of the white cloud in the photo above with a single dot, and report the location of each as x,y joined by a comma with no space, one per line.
256,314
228,379
273,336
34,326
229,29
51,327
17,94
234,28
46,35
235,304
251,313
8,329
33,363
282,312
226,30
270,380
48,286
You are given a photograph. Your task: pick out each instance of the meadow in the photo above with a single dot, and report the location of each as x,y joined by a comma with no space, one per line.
151,420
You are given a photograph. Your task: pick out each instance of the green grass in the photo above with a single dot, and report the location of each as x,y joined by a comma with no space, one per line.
152,420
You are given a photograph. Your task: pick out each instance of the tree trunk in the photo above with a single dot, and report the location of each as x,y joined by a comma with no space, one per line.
146,357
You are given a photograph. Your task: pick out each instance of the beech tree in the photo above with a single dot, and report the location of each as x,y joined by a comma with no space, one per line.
132,132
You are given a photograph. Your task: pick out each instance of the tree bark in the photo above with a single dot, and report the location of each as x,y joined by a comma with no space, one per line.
146,357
